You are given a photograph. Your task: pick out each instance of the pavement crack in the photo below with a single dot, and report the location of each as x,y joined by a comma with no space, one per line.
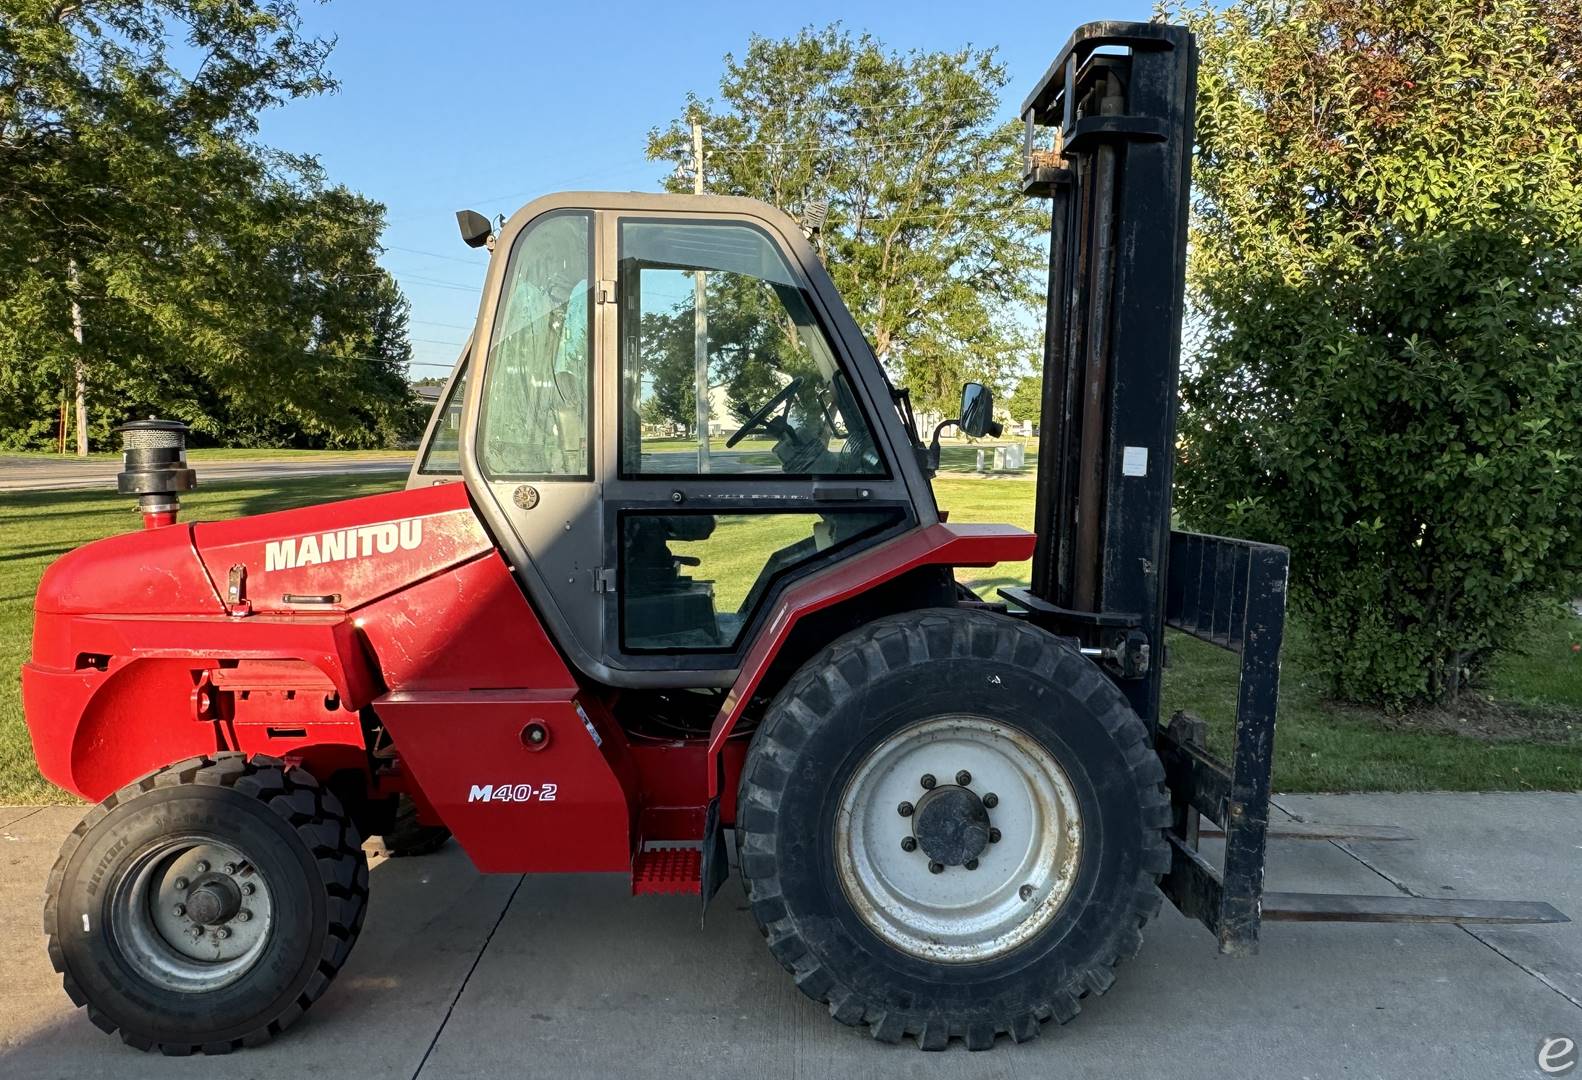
462,989
1391,878
24,817
1468,930
1534,972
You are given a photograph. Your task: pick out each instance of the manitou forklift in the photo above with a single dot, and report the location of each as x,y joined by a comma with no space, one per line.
669,565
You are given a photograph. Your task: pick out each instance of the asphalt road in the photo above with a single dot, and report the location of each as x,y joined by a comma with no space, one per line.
50,474
566,976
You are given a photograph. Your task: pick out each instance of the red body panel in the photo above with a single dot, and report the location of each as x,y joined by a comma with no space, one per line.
565,806
940,545
356,551
128,628
400,603
468,628
156,571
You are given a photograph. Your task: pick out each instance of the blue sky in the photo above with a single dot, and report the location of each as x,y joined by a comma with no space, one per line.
488,105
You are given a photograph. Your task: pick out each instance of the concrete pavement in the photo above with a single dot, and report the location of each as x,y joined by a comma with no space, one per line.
459,975
58,474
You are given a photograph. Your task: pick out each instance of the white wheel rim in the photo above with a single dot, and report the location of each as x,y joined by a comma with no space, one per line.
152,925
1021,880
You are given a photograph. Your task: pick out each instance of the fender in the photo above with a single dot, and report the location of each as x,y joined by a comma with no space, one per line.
938,545
113,698
131,632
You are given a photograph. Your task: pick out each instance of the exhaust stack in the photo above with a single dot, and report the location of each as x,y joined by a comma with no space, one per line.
154,468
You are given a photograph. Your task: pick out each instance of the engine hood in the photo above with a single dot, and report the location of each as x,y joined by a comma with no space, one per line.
341,555
149,572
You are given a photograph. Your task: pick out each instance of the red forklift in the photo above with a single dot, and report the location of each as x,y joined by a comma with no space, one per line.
579,642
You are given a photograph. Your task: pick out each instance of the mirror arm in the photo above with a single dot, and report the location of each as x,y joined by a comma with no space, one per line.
933,444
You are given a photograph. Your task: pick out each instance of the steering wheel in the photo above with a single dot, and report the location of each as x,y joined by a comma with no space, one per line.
757,419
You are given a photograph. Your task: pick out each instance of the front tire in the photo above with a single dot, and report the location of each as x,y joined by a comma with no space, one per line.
916,780
207,905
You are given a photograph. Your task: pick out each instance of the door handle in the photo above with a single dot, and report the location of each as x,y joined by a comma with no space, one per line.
825,493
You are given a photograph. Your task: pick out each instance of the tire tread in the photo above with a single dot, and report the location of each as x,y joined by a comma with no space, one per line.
843,668
320,822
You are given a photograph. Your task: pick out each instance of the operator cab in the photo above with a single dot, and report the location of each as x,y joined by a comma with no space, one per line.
664,415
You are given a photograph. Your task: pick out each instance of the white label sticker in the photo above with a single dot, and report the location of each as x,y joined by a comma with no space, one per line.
589,725
1134,461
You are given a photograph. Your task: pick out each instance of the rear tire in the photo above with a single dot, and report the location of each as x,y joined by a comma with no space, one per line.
409,836
945,953
260,860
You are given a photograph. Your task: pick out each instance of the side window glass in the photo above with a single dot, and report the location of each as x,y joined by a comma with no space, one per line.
536,401
715,312
692,581
442,457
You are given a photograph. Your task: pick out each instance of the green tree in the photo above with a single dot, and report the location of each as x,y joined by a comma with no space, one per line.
216,280
1385,269
927,236
753,348
1027,399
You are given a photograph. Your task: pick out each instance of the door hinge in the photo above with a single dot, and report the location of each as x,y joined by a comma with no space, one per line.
606,291
603,580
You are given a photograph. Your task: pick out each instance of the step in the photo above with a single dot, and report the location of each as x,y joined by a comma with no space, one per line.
668,870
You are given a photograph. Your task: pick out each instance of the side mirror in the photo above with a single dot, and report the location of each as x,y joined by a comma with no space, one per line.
977,412
475,230
976,420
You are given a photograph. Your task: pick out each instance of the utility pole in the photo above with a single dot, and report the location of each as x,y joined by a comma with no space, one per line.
77,365
700,321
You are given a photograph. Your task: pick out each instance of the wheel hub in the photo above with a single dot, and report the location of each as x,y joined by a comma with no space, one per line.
214,901
191,914
951,825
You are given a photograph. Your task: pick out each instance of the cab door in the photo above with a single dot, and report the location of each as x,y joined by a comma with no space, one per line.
745,452
529,449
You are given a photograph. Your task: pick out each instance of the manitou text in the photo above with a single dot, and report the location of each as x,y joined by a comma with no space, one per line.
295,551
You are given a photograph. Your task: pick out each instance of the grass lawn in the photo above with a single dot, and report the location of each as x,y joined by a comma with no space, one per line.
1525,731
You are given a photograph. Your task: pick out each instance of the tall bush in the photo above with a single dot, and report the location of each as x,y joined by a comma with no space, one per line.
1385,267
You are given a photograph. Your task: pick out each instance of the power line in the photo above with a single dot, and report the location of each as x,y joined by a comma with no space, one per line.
423,275
433,283
553,185
431,254
758,147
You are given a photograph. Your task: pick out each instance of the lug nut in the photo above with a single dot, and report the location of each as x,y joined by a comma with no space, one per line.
928,781
936,868
180,884
195,933
964,778
221,933
243,915
247,888
229,868
1025,892
179,910
905,809
994,835
971,864
202,867
908,843
991,800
